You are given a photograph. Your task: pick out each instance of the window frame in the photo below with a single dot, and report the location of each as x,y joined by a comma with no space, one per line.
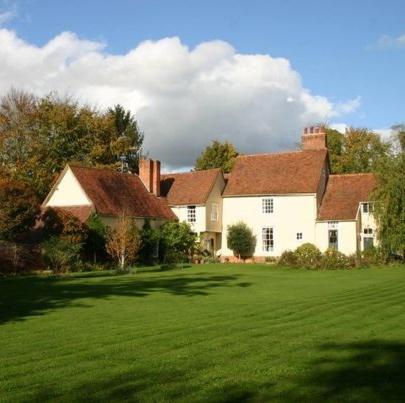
191,214
214,212
267,205
299,236
267,239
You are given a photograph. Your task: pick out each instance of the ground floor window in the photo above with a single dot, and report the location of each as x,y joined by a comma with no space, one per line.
267,239
333,239
368,242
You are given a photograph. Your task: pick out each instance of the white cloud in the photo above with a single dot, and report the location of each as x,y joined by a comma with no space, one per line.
182,97
389,42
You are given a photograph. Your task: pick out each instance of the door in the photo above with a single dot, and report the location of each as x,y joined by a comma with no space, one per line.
333,239
368,242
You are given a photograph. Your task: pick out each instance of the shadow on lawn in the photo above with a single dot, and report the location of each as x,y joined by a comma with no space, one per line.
355,372
22,297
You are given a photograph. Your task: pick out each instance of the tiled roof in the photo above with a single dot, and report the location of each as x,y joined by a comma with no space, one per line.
343,195
114,193
188,187
81,212
277,173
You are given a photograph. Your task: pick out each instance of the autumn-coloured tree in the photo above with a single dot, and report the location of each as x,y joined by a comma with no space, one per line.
40,135
123,242
19,208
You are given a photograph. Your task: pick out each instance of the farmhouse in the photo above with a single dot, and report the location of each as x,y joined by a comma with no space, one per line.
287,199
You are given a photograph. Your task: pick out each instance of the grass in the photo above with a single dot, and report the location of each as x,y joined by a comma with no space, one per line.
213,333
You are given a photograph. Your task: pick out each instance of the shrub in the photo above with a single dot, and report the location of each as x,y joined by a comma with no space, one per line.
288,258
374,256
96,238
333,259
61,255
178,242
150,239
19,258
19,209
241,240
61,223
308,256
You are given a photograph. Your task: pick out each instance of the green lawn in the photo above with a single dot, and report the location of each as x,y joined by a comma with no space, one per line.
205,333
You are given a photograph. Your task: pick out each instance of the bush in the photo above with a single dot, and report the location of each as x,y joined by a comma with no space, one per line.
19,209
241,240
178,242
374,256
333,259
288,258
96,238
150,240
19,258
60,255
61,223
308,256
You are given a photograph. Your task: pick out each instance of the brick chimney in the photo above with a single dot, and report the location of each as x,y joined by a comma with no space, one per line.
314,138
156,178
149,173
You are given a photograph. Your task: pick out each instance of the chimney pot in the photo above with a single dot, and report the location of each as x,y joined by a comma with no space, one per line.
314,138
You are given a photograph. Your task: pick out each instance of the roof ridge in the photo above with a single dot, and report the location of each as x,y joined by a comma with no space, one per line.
279,152
353,174
102,169
190,172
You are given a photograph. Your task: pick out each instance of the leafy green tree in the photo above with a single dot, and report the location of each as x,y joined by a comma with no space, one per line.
335,146
358,150
390,203
217,155
150,239
19,209
128,140
177,241
400,134
241,240
96,236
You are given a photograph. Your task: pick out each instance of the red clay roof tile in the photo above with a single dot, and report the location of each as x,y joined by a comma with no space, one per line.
343,195
277,173
114,193
188,187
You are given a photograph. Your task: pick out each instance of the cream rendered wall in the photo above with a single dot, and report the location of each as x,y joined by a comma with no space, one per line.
68,192
291,214
346,236
367,220
200,214
215,197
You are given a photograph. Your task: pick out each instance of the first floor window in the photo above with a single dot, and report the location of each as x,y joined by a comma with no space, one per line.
368,231
299,235
367,208
191,213
214,212
267,206
267,239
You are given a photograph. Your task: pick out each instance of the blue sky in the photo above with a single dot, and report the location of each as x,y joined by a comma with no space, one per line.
342,50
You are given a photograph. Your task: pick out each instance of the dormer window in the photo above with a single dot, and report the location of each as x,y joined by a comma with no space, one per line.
367,208
267,206
191,216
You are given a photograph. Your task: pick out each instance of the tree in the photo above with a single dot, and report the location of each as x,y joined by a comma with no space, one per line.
399,131
177,241
128,140
96,238
123,242
241,240
358,150
150,239
217,155
389,199
19,209
40,135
